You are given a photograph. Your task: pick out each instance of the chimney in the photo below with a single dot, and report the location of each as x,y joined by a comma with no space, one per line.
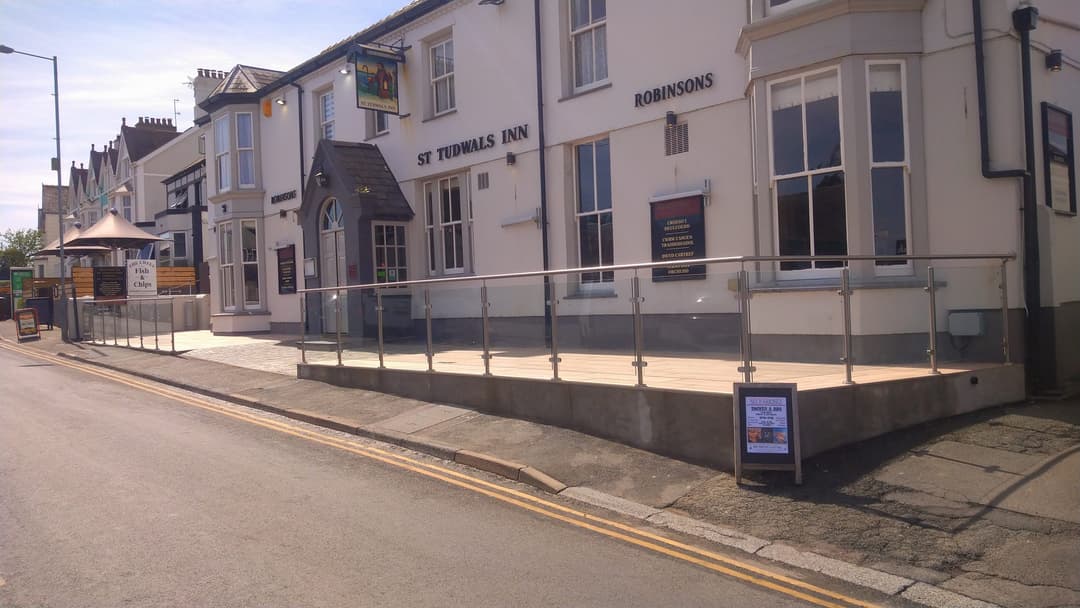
123,121
91,147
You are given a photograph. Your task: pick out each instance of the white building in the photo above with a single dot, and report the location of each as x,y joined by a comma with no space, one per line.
778,127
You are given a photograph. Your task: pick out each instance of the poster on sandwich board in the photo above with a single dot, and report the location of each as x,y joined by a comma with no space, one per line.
767,428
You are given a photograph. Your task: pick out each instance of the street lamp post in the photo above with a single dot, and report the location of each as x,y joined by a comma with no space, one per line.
7,50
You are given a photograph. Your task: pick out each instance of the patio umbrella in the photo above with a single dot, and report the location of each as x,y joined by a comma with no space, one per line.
72,233
115,232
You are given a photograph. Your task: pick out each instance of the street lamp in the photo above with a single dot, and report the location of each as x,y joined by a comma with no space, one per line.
7,50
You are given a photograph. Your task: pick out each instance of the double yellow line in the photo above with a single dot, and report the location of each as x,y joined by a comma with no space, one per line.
612,529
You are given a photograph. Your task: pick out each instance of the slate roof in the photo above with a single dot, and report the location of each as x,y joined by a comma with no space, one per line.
358,175
49,201
245,79
95,161
114,153
141,141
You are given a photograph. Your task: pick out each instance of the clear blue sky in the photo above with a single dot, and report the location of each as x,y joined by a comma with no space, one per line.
132,58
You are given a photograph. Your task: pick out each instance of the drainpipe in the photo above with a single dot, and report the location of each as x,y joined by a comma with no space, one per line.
543,170
1024,20
300,126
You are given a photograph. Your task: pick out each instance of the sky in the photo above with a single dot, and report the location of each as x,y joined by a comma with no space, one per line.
125,58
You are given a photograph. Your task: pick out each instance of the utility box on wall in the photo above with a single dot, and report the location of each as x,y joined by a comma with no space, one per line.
966,323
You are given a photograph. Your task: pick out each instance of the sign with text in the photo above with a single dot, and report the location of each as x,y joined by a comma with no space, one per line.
678,231
1059,158
286,270
20,287
767,428
26,323
141,278
376,80
109,282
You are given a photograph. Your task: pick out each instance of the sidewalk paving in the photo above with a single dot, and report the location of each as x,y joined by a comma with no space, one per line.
986,505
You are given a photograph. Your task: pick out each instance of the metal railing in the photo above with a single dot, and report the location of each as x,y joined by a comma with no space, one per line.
749,267
143,315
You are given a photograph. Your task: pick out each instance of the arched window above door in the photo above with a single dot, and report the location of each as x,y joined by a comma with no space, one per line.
332,217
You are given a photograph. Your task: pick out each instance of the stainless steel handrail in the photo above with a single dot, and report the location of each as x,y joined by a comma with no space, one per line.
742,259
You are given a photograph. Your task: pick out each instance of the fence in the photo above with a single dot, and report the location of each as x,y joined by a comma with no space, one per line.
147,323
878,310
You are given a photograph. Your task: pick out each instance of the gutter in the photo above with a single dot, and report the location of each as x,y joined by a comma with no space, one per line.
300,125
1024,20
543,169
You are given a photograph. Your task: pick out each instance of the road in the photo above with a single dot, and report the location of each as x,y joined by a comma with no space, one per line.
114,496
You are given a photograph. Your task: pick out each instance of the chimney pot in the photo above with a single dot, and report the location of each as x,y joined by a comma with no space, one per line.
123,121
91,147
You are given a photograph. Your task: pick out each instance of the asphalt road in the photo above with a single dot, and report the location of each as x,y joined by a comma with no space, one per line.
112,496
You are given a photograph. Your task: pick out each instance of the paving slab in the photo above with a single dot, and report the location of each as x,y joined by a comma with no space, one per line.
1006,592
990,459
1052,491
420,417
943,477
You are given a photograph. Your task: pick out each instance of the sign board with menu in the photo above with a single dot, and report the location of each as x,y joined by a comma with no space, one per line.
767,428
26,323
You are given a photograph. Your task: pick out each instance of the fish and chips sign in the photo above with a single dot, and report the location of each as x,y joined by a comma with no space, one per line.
376,71
141,278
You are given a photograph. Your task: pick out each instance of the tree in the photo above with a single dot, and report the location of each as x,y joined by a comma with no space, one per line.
16,246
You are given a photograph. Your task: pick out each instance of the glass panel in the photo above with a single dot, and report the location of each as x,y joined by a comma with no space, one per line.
244,137
180,244
455,201
431,249
607,246
599,10
586,194
221,135
379,235
787,133
822,121
450,88
449,247
223,169
830,223
886,113
890,217
247,167
579,13
600,40
248,242
251,283
583,58
793,220
589,237
448,56
603,175
596,330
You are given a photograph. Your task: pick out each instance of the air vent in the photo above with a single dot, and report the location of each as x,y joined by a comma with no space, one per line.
482,181
676,139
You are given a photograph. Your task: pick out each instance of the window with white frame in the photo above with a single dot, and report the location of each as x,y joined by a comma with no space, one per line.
226,261
889,163
326,115
249,247
221,153
125,206
382,123
442,77
807,168
245,150
391,265
588,41
594,216
448,224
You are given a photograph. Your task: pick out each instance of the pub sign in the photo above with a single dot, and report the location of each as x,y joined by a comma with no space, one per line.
678,232
376,72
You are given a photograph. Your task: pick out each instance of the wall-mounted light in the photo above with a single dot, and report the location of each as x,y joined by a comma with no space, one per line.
279,100
322,179
343,69
511,158
671,119
1053,60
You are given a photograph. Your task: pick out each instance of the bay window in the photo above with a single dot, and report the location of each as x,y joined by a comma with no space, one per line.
221,153
245,150
807,168
249,244
226,262
889,162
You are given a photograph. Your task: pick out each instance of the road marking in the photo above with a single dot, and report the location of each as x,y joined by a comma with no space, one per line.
707,559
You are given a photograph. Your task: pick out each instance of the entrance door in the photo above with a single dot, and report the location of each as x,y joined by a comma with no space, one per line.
332,266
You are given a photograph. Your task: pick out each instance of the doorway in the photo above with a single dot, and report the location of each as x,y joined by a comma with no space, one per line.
332,266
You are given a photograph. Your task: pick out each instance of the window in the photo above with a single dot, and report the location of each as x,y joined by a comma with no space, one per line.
226,261
221,152
125,205
245,150
179,248
595,237
326,115
249,246
442,77
889,166
588,41
447,228
390,262
807,168
382,123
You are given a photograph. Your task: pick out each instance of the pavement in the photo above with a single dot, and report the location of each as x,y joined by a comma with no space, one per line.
976,510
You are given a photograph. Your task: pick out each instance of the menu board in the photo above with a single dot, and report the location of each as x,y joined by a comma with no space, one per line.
26,322
678,232
286,269
110,282
767,428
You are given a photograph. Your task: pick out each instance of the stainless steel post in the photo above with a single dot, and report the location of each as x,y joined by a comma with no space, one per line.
427,321
127,321
141,345
845,294
115,325
639,330
156,347
1005,314
337,325
379,323
303,327
554,300
172,324
931,290
747,367
484,304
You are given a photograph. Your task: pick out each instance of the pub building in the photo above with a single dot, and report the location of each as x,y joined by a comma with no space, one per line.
446,140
